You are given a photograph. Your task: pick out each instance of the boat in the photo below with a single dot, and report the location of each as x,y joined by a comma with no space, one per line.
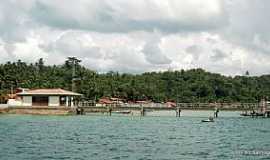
259,114
207,120
245,114
210,119
123,112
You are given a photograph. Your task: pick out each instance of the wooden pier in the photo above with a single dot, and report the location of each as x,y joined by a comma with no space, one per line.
110,109
247,107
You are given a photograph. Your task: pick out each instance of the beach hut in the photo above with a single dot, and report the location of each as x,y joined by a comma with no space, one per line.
47,97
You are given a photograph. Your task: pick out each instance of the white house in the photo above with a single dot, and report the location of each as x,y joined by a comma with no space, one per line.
47,97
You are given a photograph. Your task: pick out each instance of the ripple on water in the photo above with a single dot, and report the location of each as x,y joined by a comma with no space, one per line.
98,137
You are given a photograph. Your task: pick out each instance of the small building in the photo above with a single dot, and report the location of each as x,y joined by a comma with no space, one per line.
105,101
47,97
171,104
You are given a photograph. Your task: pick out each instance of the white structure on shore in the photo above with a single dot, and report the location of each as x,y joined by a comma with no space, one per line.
45,97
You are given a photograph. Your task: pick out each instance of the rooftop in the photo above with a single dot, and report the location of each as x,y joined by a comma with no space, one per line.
57,91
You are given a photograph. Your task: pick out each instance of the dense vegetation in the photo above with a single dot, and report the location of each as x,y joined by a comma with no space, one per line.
195,85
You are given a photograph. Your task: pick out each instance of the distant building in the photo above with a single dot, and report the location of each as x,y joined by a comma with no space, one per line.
143,102
45,97
171,104
105,101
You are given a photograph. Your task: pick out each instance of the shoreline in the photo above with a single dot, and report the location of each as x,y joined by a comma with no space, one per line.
38,110
72,111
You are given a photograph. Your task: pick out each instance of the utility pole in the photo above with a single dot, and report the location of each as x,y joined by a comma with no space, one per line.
200,87
74,61
177,88
11,90
95,87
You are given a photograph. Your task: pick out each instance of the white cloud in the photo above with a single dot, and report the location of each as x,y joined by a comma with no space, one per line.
22,50
221,36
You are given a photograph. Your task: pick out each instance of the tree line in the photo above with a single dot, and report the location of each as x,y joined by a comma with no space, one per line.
194,85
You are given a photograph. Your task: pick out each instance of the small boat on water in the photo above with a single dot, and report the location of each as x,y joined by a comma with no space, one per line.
253,113
245,114
207,120
210,119
123,112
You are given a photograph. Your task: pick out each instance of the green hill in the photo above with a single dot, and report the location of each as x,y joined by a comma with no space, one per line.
195,85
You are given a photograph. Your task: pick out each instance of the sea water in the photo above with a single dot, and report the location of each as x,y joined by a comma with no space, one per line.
157,136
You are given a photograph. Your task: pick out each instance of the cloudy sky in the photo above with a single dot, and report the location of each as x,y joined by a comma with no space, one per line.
135,36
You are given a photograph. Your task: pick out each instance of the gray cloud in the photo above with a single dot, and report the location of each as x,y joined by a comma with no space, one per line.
153,54
15,23
249,25
211,40
218,55
121,16
138,36
194,50
10,49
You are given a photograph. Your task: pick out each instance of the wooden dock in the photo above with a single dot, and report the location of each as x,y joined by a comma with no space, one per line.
110,109
84,108
40,110
249,109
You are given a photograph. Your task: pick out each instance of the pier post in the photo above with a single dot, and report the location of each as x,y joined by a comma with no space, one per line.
109,110
82,111
79,111
178,112
142,111
216,112
267,114
253,113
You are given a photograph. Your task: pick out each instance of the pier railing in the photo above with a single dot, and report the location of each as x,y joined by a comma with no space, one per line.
236,106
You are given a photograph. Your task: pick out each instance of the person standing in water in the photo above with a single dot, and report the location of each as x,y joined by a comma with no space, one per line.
216,112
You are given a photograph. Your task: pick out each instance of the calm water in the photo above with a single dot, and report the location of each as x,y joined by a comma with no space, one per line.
124,137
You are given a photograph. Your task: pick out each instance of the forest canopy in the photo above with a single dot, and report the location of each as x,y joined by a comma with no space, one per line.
194,85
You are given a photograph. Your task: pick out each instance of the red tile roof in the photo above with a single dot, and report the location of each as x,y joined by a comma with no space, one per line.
57,91
105,101
171,104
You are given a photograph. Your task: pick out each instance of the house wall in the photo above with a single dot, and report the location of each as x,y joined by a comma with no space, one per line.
14,102
27,101
54,101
